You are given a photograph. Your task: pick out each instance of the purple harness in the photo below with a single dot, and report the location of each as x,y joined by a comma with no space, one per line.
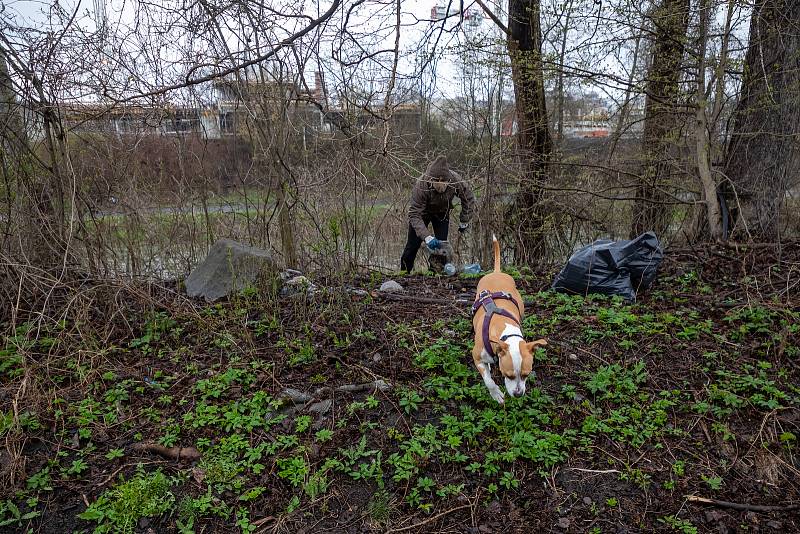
486,300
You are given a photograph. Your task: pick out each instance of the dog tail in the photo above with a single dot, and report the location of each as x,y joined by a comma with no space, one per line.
496,245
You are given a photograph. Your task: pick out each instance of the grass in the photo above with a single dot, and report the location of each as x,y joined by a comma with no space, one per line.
657,396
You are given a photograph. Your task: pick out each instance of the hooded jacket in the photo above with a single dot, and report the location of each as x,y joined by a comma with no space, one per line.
426,202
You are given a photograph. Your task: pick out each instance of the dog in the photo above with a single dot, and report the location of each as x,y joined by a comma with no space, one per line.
497,320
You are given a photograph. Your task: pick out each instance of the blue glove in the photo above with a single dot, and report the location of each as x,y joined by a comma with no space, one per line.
432,242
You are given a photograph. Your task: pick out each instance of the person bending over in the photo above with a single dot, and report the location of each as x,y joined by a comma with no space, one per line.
431,202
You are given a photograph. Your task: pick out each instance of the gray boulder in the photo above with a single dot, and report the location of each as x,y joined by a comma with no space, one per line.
230,267
390,286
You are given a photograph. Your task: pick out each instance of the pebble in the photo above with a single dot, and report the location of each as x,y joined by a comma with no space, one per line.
573,357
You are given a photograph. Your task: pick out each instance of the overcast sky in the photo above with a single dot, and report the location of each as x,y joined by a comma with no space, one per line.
372,26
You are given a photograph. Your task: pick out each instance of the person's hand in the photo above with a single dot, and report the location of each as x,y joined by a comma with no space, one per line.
463,227
432,243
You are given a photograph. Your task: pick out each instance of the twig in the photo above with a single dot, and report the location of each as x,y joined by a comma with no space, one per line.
112,475
704,428
598,471
259,522
430,519
742,506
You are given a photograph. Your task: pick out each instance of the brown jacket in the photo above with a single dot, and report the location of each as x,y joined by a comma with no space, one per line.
426,202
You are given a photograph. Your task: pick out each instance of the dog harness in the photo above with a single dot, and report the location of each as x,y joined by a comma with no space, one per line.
485,300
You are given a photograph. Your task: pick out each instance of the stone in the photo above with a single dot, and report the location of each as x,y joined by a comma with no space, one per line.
377,357
587,501
321,407
563,522
290,273
390,286
230,267
298,281
298,285
573,357
295,395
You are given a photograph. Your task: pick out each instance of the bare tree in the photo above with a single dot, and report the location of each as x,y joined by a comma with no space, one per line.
662,122
763,153
534,143
702,135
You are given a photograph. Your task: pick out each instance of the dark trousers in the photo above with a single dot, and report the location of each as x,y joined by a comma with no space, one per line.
441,227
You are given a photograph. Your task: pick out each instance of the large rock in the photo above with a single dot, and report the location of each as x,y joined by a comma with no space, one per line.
390,286
230,267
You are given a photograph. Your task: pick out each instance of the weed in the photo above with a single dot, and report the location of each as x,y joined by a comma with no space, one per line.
294,469
10,514
323,435
379,507
120,508
678,525
715,483
636,476
410,400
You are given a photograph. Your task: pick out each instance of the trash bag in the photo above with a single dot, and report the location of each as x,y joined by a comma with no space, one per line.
612,267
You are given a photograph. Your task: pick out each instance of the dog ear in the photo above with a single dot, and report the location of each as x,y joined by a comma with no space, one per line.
538,343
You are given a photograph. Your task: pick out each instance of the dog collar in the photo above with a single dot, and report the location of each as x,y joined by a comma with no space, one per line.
503,338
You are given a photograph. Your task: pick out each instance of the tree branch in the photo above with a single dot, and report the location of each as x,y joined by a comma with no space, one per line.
494,17
189,82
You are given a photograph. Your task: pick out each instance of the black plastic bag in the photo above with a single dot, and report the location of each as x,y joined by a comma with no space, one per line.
612,267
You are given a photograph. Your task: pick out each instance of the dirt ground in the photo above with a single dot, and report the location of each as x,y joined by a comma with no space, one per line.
351,412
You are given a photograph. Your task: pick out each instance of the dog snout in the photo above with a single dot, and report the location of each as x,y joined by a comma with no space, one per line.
518,392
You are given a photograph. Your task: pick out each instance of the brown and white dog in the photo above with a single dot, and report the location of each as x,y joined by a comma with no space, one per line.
497,320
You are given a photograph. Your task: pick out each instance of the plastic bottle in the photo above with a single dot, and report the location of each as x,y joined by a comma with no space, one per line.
449,269
472,268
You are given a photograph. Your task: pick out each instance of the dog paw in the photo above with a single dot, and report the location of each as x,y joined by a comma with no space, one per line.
498,396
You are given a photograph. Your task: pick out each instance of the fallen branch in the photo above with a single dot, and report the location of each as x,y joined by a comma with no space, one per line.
742,506
173,453
299,397
432,300
430,519
414,298
377,385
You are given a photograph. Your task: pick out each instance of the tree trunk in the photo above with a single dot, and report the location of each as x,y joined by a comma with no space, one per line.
713,221
763,152
527,217
661,123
